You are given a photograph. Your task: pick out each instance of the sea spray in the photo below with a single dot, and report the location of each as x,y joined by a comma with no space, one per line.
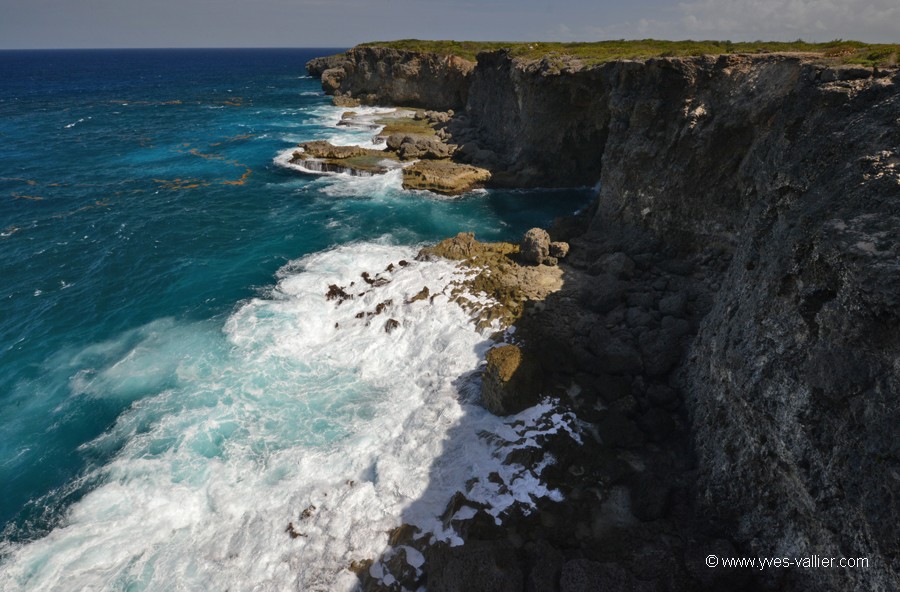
282,448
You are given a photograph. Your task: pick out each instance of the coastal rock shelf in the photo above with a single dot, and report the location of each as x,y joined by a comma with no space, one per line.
729,319
409,137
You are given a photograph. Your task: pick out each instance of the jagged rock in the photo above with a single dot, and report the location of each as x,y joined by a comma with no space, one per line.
336,292
423,294
345,101
438,116
322,156
411,146
390,325
316,66
324,149
559,249
332,79
510,381
442,176
535,246
461,246
847,72
389,76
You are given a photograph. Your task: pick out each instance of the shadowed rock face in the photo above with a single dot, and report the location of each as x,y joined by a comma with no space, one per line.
743,252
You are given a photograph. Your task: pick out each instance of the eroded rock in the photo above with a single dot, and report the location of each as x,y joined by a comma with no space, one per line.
535,246
444,176
510,381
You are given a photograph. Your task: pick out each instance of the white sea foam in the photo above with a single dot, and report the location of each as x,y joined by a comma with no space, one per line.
74,123
295,404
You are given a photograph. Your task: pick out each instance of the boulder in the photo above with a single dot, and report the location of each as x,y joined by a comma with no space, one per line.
331,80
437,116
535,246
559,249
344,101
462,246
511,380
413,146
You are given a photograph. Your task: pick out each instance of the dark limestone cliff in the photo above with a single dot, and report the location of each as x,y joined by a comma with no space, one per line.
743,253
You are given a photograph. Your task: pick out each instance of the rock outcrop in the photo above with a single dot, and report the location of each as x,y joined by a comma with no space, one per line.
379,75
320,156
444,176
511,380
317,66
535,247
737,280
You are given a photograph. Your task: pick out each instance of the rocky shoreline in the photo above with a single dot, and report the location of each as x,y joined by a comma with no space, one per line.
726,323
416,138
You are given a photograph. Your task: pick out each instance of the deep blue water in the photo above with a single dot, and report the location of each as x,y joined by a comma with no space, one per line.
140,208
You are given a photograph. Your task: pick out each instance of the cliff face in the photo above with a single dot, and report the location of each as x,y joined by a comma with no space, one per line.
786,173
379,75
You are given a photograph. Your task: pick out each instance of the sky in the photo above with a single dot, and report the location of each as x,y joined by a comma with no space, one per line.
32,24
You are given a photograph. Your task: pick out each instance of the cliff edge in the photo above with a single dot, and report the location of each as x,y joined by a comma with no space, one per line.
739,271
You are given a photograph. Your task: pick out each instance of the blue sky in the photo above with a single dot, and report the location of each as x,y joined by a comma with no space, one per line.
335,23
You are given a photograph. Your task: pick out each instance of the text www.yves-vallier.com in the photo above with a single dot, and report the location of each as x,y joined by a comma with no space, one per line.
808,562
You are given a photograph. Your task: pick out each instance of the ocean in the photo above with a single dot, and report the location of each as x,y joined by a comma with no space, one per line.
180,405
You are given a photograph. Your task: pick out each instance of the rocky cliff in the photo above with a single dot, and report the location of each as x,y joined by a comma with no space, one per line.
743,253
377,75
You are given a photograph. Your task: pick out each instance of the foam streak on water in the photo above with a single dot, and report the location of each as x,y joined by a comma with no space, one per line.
295,403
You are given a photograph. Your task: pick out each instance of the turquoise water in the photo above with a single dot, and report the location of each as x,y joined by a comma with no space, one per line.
163,327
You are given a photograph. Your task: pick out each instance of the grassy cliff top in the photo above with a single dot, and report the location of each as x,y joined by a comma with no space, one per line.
839,51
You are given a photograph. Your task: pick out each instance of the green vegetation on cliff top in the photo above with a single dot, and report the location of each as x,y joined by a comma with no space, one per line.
838,51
